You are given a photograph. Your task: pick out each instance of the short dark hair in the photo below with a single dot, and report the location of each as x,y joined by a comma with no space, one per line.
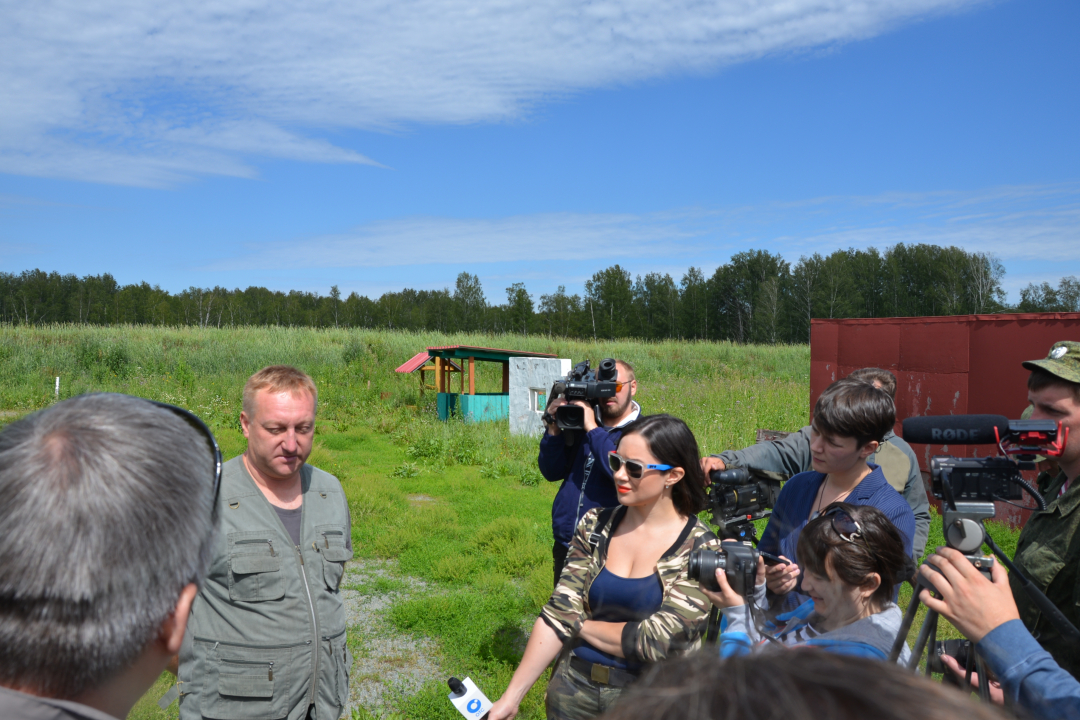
880,550
672,442
855,409
107,514
1040,379
870,374
797,684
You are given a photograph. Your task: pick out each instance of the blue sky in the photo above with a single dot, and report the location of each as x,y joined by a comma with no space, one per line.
383,145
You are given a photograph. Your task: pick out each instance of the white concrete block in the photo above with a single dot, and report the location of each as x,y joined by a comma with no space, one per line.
531,379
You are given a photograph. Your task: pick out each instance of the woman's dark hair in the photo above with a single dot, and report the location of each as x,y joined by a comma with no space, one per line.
855,409
800,684
671,441
879,550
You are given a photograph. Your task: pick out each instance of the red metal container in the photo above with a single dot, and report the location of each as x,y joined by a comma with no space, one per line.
952,365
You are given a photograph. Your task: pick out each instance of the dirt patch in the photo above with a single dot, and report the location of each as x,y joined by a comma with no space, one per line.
387,661
417,500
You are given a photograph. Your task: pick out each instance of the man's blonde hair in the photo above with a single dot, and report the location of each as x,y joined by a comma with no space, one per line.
278,379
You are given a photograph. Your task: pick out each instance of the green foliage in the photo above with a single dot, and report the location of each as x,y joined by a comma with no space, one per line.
406,470
755,297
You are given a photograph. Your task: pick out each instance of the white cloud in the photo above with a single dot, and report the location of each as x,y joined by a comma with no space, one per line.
1015,223
127,91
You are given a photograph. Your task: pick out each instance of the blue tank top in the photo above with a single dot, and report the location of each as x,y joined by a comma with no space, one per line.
618,599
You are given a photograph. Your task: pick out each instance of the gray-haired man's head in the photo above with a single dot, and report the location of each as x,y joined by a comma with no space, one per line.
106,507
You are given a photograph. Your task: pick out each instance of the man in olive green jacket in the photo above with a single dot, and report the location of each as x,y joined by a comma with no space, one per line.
266,637
1048,551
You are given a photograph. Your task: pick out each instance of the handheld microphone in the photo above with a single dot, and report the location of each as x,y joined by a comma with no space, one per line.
468,699
956,429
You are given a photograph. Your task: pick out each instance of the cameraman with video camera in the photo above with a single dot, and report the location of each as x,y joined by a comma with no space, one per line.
582,464
1003,615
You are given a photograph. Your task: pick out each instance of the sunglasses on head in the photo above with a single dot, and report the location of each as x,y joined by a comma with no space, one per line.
193,420
634,468
844,525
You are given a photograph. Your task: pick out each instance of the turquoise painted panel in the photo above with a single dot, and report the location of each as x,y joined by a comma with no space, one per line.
474,408
446,404
485,407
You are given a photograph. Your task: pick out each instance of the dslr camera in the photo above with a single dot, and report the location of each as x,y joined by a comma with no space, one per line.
738,560
582,383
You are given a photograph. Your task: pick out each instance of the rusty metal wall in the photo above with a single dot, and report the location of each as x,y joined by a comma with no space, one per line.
950,365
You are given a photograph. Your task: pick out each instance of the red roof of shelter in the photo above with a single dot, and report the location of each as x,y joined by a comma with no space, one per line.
417,361
511,353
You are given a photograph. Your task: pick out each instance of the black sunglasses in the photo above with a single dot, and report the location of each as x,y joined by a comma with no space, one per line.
634,468
194,421
844,525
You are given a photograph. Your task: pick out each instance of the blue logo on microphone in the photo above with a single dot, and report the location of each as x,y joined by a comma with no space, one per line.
473,705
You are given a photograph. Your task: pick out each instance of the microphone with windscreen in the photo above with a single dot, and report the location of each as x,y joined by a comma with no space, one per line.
956,429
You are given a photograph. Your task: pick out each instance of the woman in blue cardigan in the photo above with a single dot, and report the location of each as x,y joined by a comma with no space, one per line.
850,419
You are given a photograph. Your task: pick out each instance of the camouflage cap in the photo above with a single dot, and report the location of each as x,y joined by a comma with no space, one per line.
1062,361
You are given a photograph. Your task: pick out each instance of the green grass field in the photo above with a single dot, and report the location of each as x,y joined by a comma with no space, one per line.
461,507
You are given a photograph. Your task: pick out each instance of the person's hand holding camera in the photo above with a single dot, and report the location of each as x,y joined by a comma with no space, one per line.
590,415
997,695
711,464
968,600
726,597
782,579
556,403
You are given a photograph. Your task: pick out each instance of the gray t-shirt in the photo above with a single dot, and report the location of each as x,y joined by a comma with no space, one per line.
291,520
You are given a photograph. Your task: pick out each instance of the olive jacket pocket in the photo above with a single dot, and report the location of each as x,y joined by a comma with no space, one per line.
335,553
246,683
254,569
334,680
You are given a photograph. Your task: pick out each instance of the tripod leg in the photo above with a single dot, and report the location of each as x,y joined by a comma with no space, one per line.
984,681
905,626
969,667
931,644
930,623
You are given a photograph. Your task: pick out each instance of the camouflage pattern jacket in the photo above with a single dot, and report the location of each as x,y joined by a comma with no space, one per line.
676,628
1048,553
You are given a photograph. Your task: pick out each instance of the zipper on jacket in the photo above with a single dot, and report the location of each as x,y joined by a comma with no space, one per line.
268,542
314,621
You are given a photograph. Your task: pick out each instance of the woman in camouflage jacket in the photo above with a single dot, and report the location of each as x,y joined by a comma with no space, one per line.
625,598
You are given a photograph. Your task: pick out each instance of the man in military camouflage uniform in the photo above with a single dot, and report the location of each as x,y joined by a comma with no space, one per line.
1048,551
791,456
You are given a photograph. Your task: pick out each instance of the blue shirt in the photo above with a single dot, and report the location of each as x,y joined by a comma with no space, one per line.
792,512
1028,674
617,599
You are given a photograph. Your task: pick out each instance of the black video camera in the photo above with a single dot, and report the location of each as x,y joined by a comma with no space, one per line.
740,496
984,479
738,560
978,479
582,383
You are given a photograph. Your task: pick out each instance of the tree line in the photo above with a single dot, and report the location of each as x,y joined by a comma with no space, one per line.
756,296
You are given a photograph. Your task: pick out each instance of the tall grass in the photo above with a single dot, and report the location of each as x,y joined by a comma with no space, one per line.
723,391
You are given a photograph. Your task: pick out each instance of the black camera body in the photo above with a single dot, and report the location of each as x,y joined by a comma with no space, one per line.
738,560
738,497
976,479
582,383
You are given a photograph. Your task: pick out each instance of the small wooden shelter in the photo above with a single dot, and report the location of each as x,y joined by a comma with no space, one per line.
461,359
